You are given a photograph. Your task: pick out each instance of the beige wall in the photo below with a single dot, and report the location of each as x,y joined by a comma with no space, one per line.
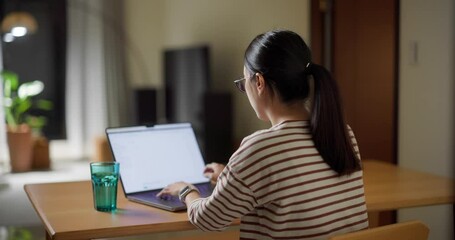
426,101
226,26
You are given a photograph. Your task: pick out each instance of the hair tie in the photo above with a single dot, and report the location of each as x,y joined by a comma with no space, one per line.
307,70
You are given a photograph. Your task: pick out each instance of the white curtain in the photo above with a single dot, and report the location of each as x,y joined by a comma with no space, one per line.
116,44
3,145
97,93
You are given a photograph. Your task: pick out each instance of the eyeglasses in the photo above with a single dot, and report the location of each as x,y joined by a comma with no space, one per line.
240,84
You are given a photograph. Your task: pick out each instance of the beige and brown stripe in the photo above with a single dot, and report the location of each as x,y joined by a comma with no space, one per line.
280,188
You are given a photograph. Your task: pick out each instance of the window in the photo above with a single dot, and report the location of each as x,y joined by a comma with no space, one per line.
41,56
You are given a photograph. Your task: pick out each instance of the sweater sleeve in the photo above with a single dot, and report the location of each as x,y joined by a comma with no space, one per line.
231,199
354,142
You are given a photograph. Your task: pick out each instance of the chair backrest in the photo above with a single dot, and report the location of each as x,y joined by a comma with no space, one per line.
412,230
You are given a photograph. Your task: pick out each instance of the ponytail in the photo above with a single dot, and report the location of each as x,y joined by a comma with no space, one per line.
329,130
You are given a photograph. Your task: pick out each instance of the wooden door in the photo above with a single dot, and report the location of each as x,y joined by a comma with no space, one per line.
363,38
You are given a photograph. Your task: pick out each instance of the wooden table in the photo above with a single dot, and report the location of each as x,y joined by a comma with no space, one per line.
67,212
389,187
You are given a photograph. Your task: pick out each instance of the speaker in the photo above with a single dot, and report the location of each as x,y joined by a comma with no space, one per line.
218,127
189,99
145,106
186,72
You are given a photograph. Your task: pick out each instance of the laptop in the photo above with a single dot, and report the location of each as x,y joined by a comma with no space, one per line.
151,157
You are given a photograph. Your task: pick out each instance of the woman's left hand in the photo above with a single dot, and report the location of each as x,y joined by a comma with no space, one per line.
172,189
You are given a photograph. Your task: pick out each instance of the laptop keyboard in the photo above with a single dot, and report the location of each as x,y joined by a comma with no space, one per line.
151,196
204,188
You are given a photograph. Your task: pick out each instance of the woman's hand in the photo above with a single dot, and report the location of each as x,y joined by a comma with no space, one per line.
213,170
172,189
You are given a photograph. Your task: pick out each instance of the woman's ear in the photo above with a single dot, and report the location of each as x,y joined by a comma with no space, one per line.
260,83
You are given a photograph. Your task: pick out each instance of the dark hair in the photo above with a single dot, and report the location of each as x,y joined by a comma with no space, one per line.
284,60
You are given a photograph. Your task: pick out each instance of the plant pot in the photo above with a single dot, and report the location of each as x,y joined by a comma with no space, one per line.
41,159
20,146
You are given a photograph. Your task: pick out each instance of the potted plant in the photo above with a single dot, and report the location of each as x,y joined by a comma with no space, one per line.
18,101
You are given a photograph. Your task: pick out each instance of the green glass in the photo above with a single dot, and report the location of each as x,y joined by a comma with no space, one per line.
104,185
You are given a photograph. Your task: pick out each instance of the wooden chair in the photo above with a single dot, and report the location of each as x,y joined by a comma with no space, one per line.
412,230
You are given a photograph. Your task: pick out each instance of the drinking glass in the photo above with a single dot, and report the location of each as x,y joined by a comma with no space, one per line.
104,185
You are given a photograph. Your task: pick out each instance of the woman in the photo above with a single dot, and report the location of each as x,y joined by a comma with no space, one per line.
299,179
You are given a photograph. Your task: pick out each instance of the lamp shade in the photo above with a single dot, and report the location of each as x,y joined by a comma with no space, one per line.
19,20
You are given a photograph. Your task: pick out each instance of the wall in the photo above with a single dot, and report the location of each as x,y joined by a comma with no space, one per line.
226,26
426,101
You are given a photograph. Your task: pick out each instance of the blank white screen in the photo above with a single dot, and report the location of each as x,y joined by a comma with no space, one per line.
152,158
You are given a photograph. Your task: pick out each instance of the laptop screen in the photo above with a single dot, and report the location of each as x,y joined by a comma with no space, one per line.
153,157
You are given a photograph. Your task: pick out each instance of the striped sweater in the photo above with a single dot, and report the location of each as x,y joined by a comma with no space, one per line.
280,188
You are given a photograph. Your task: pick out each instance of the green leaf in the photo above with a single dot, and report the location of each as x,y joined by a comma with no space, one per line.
22,108
45,104
18,99
7,102
36,121
11,82
15,233
10,118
